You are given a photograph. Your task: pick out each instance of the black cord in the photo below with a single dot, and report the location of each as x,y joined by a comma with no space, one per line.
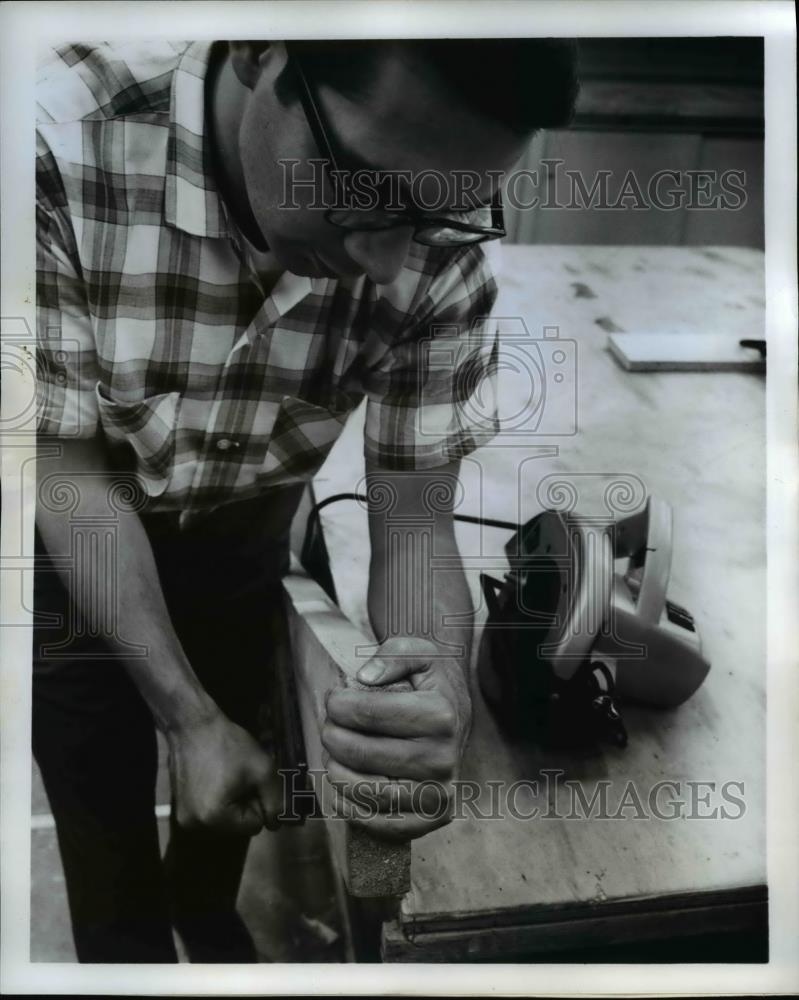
489,522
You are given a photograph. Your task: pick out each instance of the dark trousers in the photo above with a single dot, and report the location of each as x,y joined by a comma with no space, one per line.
95,744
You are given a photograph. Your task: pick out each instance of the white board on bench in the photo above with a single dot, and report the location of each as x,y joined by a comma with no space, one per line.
687,352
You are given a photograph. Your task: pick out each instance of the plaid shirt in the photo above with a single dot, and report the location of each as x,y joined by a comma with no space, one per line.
154,329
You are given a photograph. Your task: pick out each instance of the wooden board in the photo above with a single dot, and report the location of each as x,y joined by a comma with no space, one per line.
325,653
684,352
674,105
588,148
699,444
597,926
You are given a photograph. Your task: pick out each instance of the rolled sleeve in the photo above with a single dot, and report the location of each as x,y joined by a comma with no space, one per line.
433,396
66,357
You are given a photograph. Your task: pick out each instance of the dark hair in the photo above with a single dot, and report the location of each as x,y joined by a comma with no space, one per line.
525,83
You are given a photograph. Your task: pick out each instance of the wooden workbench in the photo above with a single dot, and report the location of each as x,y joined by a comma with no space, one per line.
503,888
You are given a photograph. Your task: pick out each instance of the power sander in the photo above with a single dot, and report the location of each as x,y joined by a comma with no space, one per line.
569,633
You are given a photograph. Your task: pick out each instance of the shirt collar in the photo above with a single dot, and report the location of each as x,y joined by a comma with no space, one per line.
191,200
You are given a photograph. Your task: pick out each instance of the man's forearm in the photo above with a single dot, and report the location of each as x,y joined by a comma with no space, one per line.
412,594
163,676
417,589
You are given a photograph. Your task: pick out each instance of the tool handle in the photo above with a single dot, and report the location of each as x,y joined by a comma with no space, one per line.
657,562
646,538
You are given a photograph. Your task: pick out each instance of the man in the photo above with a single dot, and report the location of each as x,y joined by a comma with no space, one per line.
205,327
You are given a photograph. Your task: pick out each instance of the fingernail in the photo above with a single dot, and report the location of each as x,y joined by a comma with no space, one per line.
371,673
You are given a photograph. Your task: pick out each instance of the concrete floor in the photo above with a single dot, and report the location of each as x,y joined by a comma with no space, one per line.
288,895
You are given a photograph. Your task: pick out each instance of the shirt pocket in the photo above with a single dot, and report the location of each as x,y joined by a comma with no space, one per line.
149,427
302,436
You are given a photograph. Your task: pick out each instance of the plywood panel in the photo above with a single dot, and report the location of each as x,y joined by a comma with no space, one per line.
736,221
559,218
596,926
737,226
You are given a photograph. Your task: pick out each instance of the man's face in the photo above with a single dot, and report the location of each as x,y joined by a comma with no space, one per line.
404,122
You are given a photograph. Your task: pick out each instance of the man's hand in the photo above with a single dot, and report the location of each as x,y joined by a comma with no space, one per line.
222,779
220,776
394,754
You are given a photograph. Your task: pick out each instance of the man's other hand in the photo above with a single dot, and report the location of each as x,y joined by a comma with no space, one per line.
393,755
222,779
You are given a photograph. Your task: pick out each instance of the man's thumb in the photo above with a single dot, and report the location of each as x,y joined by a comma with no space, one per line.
398,659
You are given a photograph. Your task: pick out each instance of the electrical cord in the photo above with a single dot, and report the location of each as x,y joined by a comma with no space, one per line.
489,522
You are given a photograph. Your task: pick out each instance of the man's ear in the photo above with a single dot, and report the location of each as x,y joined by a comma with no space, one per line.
249,59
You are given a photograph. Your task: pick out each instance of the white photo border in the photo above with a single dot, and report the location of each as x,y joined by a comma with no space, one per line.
23,27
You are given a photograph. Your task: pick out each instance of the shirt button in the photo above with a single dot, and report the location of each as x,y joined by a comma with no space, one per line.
225,444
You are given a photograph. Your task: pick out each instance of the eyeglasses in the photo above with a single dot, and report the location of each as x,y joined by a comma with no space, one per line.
484,222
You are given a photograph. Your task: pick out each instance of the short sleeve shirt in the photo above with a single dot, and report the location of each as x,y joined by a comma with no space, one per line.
155,331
